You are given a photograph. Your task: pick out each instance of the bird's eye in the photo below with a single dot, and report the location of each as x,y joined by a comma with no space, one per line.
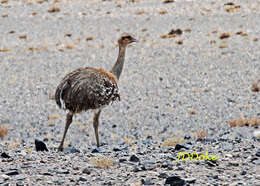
127,37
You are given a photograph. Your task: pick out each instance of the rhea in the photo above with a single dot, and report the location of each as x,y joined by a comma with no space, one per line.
91,88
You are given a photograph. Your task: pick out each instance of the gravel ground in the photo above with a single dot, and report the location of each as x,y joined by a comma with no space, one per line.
181,88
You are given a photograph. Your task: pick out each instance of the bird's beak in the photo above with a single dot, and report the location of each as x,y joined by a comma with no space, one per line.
135,40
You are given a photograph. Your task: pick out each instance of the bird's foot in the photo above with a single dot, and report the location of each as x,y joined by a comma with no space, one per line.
60,149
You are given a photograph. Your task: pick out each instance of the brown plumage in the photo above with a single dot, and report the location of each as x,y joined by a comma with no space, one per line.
86,88
91,88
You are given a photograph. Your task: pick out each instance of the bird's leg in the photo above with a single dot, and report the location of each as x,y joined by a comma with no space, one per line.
95,125
68,122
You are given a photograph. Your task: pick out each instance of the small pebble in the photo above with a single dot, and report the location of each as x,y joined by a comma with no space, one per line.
86,171
12,172
5,155
175,181
71,150
134,158
62,171
82,179
20,183
163,175
96,150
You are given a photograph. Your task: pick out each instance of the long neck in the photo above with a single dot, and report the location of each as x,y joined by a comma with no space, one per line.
118,66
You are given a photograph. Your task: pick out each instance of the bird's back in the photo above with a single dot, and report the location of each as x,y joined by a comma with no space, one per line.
86,88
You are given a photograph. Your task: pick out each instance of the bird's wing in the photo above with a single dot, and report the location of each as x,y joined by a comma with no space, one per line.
87,88
95,85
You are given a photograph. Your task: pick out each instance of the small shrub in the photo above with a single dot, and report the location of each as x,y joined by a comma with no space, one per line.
102,162
241,121
201,134
172,142
4,130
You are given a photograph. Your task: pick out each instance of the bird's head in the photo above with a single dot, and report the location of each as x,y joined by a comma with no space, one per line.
126,39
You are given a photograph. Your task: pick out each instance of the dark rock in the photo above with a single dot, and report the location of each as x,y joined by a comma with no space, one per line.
206,140
233,163
12,172
134,158
149,137
229,4
40,145
231,100
7,159
238,139
108,183
42,161
170,149
137,169
164,129
147,181
177,32
5,155
26,166
165,164
47,174
19,183
187,137
243,173
163,175
253,159
62,171
114,126
82,179
257,154
96,150
179,147
120,148
103,144
117,149
122,160
211,163
215,177
256,138
71,150
86,171
175,181
143,167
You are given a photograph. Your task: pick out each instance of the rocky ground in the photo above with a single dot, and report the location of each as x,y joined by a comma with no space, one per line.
187,80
